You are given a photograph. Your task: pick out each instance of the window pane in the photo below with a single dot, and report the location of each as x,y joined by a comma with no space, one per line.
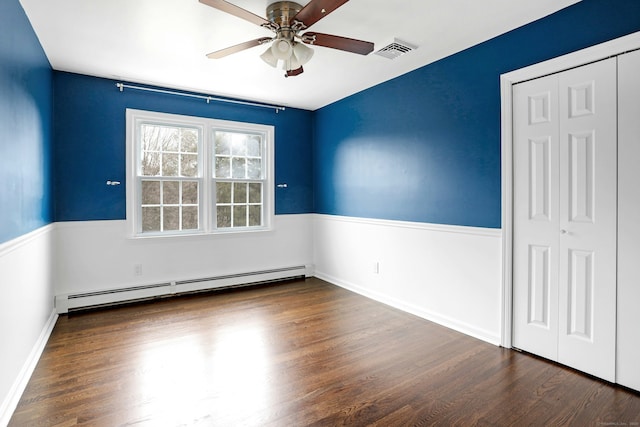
150,192
150,219
189,141
151,137
171,192
223,143
253,146
239,145
223,167
190,193
150,164
224,216
223,192
239,192
255,216
239,168
171,218
239,216
189,164
254,167
190,218
169,138
169,164
255,192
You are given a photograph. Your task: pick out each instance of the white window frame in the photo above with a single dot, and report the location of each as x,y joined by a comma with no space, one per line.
206,157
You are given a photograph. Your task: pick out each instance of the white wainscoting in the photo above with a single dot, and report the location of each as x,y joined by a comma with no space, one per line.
26,312
95,256
447,274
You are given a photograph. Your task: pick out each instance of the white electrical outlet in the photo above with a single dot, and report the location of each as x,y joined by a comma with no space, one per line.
137,269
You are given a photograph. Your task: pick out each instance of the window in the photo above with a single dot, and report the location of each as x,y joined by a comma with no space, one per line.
168,173
238,179
190,175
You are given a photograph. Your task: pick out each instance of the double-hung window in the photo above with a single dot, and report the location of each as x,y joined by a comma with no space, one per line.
191,175
238,178
169,177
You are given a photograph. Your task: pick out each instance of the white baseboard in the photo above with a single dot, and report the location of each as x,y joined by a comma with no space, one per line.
11,400
118,295
445,321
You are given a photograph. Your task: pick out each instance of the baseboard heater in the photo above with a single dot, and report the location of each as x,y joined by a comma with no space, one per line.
78,301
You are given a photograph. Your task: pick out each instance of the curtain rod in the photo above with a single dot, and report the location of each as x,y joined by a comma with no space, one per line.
207,98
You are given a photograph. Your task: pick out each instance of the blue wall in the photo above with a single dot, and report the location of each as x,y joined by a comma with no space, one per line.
423,147
25,126
426,146
89,135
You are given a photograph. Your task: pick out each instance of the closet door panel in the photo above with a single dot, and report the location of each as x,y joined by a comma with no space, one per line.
588,218
628,346
536,213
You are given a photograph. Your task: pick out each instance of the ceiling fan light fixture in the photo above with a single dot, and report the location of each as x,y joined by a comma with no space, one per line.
291,64
302,53
282,49
269,58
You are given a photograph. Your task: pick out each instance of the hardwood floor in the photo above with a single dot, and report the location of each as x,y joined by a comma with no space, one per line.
293,354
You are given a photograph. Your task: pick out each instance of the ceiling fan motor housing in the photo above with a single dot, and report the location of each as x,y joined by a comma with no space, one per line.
281,13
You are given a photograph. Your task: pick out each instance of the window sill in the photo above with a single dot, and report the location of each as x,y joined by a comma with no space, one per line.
202,234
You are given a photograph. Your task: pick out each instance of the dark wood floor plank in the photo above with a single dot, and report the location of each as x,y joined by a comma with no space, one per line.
294,354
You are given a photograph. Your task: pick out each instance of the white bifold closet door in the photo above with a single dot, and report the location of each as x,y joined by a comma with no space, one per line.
628,357
565,217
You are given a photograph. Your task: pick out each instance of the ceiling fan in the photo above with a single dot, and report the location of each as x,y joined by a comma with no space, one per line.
288,20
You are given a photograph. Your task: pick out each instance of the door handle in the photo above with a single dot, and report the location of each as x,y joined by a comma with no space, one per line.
564,232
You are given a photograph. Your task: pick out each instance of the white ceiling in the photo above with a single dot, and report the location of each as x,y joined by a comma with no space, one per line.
164,43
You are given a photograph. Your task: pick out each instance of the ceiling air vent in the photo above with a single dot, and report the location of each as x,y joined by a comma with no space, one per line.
396,49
